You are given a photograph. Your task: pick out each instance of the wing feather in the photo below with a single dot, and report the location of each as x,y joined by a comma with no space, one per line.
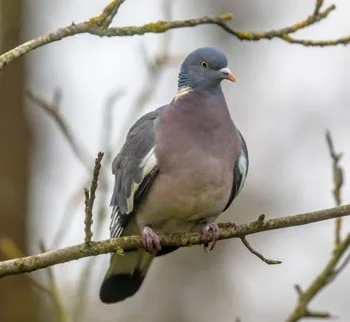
240,172
134,168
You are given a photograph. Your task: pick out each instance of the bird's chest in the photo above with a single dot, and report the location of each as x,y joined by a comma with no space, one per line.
196,191
196,146
182,200
194,181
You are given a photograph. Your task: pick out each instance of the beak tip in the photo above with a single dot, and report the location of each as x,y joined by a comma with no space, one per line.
228,74
232,78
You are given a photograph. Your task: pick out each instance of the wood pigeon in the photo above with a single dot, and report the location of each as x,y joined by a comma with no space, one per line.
181,166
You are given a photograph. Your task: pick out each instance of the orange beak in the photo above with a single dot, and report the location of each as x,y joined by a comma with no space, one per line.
228,74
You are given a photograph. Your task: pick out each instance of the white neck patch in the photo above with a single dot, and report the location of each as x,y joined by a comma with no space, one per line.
182,91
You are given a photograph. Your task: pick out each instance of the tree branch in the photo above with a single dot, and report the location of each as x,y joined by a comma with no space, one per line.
338,174
338,180
99,26
318,5
118,245
301,310
106,17
81,291
259,255
90,199
330,271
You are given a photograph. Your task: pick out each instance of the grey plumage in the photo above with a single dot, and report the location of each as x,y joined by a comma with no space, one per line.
180,167
127,171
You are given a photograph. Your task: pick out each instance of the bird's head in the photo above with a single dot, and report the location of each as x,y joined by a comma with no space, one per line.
204,69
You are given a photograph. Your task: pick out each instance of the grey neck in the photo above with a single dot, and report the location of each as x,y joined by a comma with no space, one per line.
185,82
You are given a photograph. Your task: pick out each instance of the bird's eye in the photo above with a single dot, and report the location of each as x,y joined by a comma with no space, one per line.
204,64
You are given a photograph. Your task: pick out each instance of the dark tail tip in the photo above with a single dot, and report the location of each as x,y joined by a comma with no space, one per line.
118,287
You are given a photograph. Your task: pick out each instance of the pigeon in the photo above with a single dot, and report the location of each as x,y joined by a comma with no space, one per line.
181,166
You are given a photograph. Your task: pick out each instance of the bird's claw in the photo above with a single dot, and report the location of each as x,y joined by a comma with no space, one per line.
151,241
210,228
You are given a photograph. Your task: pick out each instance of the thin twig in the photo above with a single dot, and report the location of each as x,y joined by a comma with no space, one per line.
86,273
98,26
63,255
318,5
338,175
317,43
81,293
301,310
338,180
52,108
90,198
76,197
317,314
341,267
329,272
256,253
298,289
88,217
109,12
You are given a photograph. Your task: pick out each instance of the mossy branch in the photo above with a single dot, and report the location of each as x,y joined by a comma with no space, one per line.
90,199
322,279
118,245
332,269
100,26
338,180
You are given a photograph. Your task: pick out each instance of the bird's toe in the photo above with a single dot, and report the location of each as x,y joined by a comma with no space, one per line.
211,228
151,240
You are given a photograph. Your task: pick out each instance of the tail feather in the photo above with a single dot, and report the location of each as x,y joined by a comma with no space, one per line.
126,273
118,287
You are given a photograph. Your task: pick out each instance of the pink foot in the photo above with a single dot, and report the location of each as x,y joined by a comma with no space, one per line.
150,239
211,228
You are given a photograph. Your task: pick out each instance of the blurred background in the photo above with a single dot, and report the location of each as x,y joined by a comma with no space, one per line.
285,99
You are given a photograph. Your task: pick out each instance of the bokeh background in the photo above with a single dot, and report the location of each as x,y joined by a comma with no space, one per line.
285,98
